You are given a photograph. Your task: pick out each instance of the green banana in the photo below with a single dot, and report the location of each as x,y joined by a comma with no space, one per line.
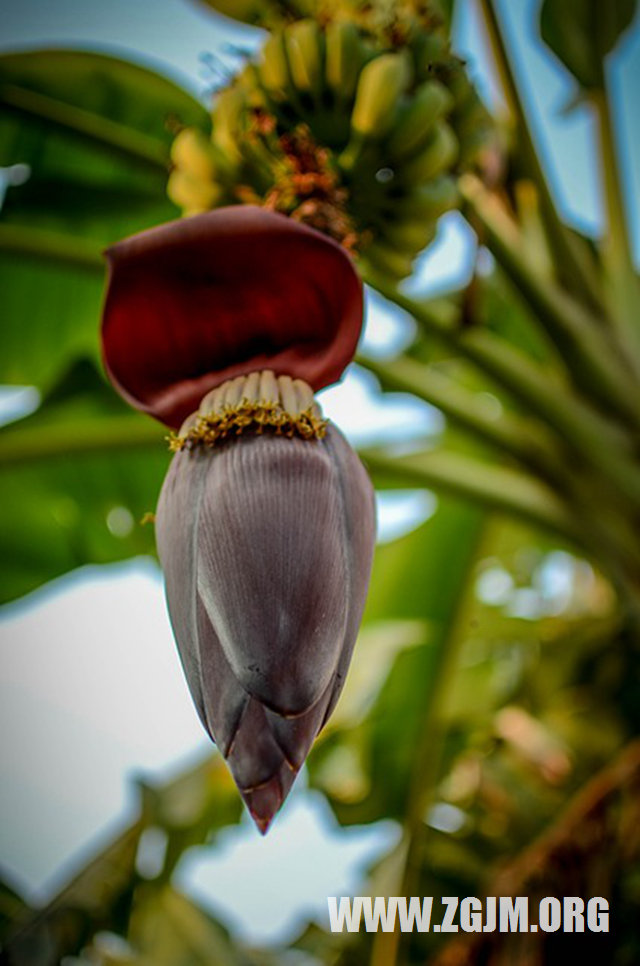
344,57
403,106
472,117
387,261
429,49
262,166
192,152
380,87
429,104
229,122
273,69
428,201
460,86
410,237
192,194
303,41
439,154
248,80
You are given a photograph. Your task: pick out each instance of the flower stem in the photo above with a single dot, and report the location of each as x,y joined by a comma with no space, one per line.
541,392
496,488
517,437
578,335
623,290
572,259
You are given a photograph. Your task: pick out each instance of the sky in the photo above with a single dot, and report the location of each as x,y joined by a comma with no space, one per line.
91,691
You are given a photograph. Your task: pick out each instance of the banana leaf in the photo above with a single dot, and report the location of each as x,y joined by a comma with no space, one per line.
94,133
78,476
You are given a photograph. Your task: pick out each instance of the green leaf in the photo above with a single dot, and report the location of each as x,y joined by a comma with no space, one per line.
77,477
582,32
95,132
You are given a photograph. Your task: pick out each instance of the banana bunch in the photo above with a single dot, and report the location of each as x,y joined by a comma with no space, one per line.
339,126
192,183
378,17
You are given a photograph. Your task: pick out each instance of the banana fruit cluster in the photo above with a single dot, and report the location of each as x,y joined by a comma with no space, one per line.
360,133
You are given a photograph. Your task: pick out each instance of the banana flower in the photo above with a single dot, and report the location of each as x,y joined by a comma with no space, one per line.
222,326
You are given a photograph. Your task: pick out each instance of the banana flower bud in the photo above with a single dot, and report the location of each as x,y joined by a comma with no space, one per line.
223,324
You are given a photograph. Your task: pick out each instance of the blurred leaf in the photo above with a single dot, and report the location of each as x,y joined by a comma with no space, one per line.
77,477
169,929
498,306
202,800
12,908
592,848
334,949
582,32
379,644
418,578
188,810
447,8
98,895
101,894
95,133
571,258
479,481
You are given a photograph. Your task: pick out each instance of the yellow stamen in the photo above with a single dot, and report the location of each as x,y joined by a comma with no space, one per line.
255,404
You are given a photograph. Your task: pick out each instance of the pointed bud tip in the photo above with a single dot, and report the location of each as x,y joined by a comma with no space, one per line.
262,824
265,800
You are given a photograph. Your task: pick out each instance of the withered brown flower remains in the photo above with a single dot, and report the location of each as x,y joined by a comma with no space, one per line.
222,326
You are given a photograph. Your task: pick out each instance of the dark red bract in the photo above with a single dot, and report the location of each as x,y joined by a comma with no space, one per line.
198,301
